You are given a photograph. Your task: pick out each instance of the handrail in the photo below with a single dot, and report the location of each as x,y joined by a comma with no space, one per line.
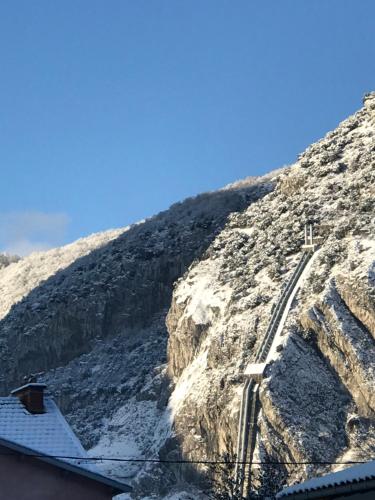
249,405
241,426
280,307
251,441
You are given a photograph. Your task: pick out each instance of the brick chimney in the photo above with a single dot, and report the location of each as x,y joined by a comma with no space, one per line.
31,396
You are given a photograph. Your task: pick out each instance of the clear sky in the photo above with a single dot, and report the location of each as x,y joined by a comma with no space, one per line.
111,110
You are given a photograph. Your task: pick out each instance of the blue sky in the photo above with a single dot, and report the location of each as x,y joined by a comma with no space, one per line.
112,110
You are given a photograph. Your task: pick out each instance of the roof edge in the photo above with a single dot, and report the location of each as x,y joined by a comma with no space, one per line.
358,486
35,385
356,474
67,427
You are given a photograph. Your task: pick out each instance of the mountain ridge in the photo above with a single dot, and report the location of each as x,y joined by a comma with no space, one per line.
144,333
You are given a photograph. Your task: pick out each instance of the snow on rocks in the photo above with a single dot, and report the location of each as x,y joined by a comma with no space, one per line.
24,275
92,315
137,430
330,186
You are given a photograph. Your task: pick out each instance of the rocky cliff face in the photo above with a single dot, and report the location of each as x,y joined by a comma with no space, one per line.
317,397
144,333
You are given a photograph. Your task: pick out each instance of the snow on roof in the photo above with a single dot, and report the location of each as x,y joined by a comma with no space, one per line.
26,386
350,475
47,433
50,435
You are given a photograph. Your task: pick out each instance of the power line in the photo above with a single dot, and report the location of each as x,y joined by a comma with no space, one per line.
202,462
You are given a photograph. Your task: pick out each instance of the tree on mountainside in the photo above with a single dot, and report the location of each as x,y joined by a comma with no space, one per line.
6,259
223,480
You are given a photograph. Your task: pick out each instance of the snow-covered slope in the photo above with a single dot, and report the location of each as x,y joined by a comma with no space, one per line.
145,333
24,275
91,315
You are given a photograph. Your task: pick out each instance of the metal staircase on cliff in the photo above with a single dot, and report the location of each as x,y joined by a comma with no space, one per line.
247,426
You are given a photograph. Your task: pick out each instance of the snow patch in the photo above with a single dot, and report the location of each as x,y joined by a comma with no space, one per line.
188,384
136,431
204,302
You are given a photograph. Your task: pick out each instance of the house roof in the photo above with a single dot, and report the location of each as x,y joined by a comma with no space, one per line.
350,476
45,434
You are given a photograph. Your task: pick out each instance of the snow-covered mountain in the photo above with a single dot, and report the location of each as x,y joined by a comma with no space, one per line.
144,333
